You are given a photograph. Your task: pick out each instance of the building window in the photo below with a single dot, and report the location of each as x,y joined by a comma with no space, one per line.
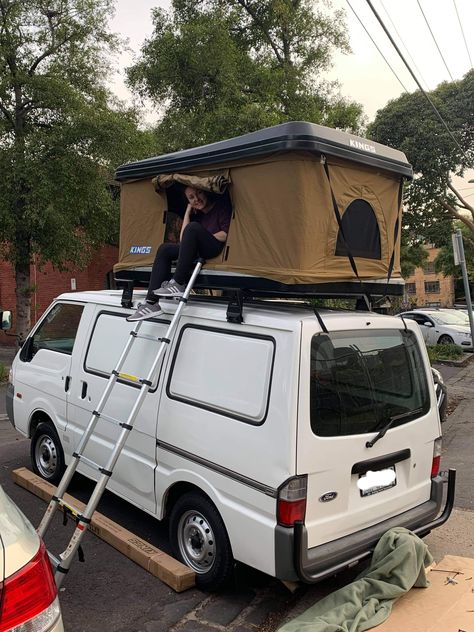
432,287
410,288
429,267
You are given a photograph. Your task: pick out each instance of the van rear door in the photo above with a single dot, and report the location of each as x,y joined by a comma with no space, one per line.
355,382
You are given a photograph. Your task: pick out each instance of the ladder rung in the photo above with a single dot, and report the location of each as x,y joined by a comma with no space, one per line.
111,420
74,510
92,464
148,337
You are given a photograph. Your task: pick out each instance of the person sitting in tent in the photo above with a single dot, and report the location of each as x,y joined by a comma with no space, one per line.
203,234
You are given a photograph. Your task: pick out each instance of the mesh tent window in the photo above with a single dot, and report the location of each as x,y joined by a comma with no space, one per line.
361,232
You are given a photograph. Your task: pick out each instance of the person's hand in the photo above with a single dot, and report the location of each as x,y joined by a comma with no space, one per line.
189,210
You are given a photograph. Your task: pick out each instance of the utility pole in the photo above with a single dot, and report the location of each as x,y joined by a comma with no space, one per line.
459,259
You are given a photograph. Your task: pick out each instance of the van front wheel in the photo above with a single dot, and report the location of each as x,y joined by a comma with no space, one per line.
47,456
199,539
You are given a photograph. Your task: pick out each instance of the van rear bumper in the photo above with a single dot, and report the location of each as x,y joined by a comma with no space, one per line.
313,565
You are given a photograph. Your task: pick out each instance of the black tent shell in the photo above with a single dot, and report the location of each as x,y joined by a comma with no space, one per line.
287,137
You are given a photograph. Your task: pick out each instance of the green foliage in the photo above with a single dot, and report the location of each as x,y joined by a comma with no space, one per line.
444,352
410,124
444,262
3,373
61,135
412,256
220,68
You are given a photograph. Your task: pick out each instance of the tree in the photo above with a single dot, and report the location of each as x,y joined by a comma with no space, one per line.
412,256
444,262
219,68
410,124
60,139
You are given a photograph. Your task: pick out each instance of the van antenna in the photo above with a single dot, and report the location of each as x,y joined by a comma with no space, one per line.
320,320
404,323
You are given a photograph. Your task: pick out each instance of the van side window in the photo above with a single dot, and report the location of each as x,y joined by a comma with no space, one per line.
222,371
109,336
361,380
58,330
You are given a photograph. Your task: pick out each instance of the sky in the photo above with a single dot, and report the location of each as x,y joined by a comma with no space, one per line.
363,75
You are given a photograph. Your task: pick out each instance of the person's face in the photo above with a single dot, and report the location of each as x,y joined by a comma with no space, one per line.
196,197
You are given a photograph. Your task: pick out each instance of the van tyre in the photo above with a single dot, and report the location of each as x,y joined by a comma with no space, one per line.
199,539
46,451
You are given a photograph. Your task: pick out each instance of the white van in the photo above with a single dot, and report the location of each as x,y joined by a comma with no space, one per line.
255,439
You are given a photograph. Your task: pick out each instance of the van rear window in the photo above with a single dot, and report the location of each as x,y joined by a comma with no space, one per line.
360,380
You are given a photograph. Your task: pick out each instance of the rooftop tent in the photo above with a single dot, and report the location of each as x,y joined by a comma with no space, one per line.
312,207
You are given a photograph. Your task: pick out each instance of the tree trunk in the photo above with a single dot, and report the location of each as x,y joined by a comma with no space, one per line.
23,302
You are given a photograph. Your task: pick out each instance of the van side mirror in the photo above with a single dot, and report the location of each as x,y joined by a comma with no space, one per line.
427,324
5,320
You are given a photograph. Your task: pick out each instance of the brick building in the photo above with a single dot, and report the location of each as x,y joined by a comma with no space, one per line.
426,288
48,283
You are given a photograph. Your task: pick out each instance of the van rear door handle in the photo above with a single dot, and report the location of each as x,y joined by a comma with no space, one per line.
84,390
67,383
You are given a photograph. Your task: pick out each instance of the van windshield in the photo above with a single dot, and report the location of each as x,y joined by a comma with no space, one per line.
360,380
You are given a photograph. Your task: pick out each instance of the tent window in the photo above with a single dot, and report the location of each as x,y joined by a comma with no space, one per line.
361,231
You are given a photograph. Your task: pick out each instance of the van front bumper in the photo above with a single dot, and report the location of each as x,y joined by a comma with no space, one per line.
313,565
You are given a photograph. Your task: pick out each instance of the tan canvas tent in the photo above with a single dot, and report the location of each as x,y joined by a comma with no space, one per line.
313,208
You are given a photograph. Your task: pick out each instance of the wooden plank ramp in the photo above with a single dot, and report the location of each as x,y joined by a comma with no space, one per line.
170,571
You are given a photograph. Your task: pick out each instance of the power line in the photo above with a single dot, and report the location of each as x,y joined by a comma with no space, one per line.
403,43
445,125
434,40
375,44
462,31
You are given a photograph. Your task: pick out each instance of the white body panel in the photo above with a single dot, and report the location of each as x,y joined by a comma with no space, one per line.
228,413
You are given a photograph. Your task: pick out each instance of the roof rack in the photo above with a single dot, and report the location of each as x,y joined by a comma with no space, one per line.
238,288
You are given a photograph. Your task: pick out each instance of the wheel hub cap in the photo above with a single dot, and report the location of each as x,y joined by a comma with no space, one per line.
196,541
46,456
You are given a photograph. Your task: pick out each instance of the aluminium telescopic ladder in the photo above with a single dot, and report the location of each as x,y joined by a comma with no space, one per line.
62,564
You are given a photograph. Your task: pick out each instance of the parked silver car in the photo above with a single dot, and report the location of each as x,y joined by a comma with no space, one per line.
28,592
442,327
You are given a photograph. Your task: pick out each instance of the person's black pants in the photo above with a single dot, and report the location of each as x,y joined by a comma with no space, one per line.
196,242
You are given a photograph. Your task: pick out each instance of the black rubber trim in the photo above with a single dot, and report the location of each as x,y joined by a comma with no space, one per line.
380,462
61,569
126,426
167,340
220,469
96,413
183,300
147,382
104,471
56,498
114,372
134,334
76,455
84,520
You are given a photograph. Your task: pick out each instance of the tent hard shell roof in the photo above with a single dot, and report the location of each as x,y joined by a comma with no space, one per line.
292,136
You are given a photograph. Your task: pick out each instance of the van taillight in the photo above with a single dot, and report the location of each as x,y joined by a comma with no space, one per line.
28,598
291,504
436,457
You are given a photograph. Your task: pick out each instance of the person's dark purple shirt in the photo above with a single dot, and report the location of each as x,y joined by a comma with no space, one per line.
217,219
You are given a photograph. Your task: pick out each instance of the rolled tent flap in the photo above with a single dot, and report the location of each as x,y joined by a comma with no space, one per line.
214,184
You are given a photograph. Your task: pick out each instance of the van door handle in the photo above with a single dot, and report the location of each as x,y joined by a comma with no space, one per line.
84,390
67,383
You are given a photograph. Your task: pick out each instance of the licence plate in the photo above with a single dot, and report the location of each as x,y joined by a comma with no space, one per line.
373,482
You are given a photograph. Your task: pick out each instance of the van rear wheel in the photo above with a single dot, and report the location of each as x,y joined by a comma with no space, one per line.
199,539
46,451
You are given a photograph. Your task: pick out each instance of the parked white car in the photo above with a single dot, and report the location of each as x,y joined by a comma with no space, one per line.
442,327
28,592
